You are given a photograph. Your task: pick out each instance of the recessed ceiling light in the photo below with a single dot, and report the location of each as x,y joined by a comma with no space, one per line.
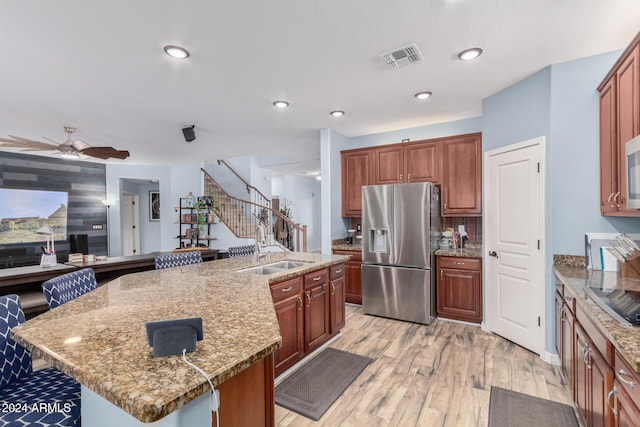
469,54
176,51
281,104
337,113
422,95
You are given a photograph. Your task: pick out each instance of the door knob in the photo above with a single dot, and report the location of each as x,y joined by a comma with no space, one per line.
494,254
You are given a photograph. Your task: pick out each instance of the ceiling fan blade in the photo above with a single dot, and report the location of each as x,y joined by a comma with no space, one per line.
105,153
26,143
80,145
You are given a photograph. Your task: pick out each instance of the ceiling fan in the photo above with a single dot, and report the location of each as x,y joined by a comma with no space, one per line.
68,149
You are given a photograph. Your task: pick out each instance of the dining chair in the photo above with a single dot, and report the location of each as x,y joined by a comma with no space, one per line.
44,398
68,286
178,259
241,250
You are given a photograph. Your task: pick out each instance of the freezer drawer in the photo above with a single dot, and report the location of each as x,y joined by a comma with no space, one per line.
398,293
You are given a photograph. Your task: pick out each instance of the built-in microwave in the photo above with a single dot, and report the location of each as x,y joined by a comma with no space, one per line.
632,156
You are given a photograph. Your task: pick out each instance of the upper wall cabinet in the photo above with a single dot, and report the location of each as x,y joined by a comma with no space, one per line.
619,122
455,163
410,162
462,175
356,172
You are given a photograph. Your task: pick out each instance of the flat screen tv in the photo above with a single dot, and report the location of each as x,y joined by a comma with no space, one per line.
23,212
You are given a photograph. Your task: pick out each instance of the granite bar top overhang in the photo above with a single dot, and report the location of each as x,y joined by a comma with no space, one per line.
100,340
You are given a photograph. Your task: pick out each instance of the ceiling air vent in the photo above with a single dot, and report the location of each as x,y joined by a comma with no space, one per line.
403,56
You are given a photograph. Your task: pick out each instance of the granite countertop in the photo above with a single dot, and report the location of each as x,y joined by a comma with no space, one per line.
625,339
355,247
466,252
100,340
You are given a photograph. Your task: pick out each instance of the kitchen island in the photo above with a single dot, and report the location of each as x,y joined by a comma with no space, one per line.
100,340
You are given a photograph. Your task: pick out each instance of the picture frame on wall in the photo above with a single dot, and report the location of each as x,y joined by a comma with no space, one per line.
154,206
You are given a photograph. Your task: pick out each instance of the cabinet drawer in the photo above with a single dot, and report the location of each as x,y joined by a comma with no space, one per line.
336,271
601,342
316,278
460,263
283,290
628,378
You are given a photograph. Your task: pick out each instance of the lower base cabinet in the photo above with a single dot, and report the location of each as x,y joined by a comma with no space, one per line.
606,389
352,276
459,288
310,309
254,385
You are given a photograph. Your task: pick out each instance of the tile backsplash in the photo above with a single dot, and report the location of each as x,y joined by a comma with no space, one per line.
473,225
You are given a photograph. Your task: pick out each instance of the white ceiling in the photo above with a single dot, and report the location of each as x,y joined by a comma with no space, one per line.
99,66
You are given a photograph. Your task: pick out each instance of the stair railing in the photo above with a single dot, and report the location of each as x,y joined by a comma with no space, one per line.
242,218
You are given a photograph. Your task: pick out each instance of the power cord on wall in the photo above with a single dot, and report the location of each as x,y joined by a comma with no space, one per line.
215,394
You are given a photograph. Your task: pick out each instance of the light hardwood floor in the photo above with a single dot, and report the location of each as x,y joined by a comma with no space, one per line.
436,375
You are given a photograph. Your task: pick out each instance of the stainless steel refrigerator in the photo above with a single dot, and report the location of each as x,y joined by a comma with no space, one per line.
401,231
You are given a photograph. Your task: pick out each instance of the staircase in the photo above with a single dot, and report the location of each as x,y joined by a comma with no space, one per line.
243,216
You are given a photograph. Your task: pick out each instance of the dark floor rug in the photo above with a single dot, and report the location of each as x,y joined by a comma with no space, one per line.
513,409
313,388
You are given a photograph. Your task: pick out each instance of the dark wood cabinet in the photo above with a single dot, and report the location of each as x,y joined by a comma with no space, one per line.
316,310
626,412
619,123
609,196
594,379
417,161
352,276
459,288
287,298
422,160
337,299
388,164
462,175
356,172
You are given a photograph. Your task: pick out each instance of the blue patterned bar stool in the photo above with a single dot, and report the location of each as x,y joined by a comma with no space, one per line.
178,259
64,288
43,398
242,250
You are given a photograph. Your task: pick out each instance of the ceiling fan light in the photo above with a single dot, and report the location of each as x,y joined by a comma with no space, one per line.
176,52
423,95
70,156
469,54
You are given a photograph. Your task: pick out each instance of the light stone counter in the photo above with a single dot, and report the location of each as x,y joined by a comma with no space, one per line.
625,339
100,340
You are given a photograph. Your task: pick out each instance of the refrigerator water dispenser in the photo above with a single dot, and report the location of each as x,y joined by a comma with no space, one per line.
378,241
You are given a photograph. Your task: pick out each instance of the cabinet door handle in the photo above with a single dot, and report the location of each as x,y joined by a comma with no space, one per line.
408,177
458,262
445,206
287,289
586,357
299,303
400,177
338,271
613,409
308,294
616,199
442,274
609,201
333,289
315,279
622,373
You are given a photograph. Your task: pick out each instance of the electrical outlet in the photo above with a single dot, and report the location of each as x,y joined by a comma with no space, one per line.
215,400
359,227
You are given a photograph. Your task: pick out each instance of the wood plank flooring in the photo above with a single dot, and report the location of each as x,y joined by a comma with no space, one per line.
436,375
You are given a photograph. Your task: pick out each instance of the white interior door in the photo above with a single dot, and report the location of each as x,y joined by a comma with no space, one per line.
130,214
514,251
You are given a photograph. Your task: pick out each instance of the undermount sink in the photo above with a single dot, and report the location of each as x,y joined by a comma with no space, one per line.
276,267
